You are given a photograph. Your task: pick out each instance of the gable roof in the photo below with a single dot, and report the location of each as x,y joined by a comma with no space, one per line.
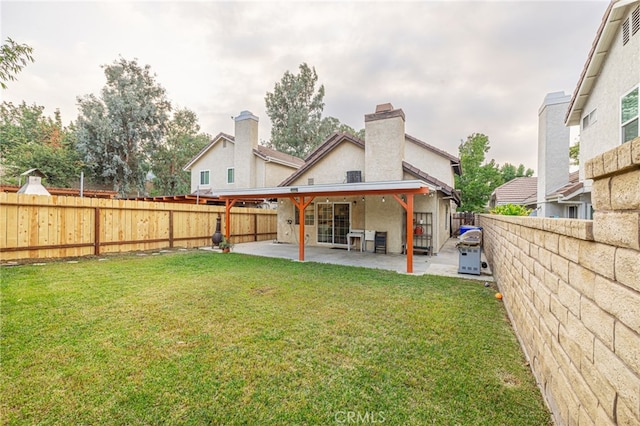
521,190
455,161
262,152
204,150
440,186
269,154
337,138
572,188
597,56
317,154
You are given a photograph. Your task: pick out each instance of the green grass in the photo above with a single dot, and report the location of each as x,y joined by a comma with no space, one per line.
197,338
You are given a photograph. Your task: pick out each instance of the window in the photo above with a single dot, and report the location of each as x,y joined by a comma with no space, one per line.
308,216
629,115
589,119
230,176
204,177
572,212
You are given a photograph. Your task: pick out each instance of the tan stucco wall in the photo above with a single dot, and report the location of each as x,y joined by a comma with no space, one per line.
429,162
572,291
384,149
275,173
334,166
216,160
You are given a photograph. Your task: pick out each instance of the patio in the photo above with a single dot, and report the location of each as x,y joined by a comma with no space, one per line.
443,264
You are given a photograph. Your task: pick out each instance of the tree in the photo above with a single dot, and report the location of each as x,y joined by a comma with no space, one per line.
329,125
509,172
295,109
29,139
574,153
119,130
479,178
181,143
13,57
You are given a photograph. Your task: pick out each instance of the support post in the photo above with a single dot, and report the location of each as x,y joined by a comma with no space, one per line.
227,217
301,204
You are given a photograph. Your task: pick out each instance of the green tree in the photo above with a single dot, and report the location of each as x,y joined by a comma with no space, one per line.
479,178
295,109
119,130
181,143
329,125
509,172
29,139
574,153
13,58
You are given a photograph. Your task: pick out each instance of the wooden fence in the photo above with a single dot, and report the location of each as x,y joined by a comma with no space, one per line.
36,226
459,219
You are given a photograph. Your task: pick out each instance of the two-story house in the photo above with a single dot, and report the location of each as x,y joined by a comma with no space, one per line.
605,101
238,162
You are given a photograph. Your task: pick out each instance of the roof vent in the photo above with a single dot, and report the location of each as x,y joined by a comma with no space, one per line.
384,107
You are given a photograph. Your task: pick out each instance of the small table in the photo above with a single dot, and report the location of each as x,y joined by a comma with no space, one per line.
355,233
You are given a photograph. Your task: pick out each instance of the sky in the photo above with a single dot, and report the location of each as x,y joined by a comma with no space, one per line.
454,67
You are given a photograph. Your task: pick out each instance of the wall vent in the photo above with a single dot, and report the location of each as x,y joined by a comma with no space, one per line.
354,176
635,21
625,31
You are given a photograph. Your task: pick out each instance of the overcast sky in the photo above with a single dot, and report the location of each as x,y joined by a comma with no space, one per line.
455,68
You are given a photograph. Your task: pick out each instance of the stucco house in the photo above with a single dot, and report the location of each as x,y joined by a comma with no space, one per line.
238,162
388,155
605,101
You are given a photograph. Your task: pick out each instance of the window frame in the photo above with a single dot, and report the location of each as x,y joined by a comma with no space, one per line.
232,175
309,215
208,174
629,121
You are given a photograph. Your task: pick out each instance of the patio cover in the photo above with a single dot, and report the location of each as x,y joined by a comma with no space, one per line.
302,195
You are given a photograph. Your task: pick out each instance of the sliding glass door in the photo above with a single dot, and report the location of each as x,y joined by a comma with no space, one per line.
333,222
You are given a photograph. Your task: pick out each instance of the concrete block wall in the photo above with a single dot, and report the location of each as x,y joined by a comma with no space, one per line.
572,291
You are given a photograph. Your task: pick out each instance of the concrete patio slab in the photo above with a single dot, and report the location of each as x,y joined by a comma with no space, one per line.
443,264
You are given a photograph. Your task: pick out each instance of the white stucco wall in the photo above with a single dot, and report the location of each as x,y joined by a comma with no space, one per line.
620,74
272,174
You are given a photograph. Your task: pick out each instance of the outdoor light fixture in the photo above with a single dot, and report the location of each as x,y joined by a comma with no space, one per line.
327,200
363,199
383,199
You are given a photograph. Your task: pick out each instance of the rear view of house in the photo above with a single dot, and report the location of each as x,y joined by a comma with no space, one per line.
387,156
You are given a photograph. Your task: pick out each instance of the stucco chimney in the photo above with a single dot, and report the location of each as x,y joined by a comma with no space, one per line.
246,139
553,149
384,144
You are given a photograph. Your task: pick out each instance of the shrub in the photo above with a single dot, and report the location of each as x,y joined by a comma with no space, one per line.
511,210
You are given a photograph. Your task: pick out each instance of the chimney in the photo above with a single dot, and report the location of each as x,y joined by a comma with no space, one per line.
384,144
33,186
246,140
553,150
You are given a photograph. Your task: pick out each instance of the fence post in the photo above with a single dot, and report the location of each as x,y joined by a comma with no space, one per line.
170,228
96,231
255,227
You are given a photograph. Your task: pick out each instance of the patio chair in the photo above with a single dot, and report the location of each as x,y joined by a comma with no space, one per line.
369,236
380,242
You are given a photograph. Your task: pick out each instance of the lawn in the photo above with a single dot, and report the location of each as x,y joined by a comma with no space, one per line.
200,337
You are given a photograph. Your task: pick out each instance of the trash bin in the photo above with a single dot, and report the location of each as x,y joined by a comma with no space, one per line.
470,251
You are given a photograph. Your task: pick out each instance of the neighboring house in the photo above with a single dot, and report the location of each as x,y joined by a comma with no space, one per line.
229,162
521,191
605,101
559,193
388,155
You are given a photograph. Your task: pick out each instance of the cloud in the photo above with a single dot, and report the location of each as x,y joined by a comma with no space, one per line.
454,67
